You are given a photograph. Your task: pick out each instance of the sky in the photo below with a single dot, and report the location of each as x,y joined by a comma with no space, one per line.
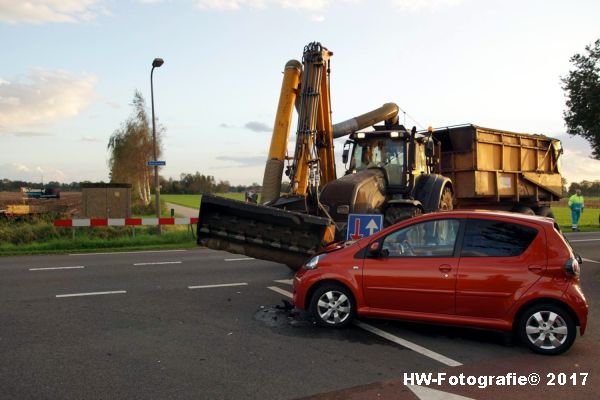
70,68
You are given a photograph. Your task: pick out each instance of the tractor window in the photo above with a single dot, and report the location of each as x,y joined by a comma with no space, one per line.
379,153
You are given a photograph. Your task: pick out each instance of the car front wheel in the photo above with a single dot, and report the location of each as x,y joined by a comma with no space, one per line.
547,329
333,306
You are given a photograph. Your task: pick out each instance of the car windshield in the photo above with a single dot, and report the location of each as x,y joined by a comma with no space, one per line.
382,153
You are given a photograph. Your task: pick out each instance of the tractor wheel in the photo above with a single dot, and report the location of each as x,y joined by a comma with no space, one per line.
394,215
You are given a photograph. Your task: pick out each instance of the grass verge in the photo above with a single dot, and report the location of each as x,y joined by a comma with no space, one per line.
170,239
193,200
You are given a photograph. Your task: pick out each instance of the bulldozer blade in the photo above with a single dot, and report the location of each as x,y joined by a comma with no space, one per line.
261,232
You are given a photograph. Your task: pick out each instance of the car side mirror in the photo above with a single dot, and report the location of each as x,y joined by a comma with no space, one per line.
579,259
346,152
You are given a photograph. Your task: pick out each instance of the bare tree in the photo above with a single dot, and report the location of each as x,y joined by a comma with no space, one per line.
131,146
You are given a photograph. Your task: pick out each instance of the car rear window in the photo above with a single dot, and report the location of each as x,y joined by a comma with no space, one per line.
486,238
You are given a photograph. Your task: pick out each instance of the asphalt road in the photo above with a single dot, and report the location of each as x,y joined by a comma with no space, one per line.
128,325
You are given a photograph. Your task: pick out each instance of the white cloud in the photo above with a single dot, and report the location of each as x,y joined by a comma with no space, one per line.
91,139
230,5
233,5
317,18
40,11
311,5
45,97
28,173
414,5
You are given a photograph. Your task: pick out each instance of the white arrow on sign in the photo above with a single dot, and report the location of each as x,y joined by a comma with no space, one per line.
372,226
425,393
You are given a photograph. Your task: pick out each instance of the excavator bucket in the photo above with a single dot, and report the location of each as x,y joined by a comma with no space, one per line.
262,232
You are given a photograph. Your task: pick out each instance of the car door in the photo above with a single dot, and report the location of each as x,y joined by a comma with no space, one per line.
499,261
415,269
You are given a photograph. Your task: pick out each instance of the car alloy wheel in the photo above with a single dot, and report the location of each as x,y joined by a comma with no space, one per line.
333,306
547,329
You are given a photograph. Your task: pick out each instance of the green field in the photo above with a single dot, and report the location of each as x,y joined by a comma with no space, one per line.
193,200
588,222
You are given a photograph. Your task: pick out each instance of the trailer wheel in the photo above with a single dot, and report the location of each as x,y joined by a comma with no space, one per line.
446,200
522,210
544,211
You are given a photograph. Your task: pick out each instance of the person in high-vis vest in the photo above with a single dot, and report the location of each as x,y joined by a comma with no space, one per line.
576,206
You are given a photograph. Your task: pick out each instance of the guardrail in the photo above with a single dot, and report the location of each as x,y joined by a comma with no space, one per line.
133,222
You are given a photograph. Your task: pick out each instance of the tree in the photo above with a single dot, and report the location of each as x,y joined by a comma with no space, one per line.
131,146
582,87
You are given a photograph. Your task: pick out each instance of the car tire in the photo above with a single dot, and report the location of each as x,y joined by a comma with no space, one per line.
333,306
547,329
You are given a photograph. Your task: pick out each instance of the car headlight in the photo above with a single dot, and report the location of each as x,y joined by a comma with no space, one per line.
313,262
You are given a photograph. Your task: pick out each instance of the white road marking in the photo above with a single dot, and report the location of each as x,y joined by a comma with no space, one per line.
402,342
50,268
592,261
425,393
280,291
159,263
409,345
126,252
285,281
583,240
91,293
239,259
216,286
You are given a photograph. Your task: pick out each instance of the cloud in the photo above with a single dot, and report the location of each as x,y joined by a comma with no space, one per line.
45,97
258,126
243,161
302,5
225,125
91,139
29,134
415,5
23,172
229,5
41,11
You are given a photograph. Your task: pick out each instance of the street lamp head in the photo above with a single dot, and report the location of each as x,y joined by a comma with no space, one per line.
157,62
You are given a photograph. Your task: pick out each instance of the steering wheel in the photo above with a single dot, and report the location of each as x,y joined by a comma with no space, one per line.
407,248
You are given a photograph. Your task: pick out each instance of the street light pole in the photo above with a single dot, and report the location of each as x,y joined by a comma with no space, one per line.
155,64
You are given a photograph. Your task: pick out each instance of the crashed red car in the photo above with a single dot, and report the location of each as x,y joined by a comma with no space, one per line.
492,270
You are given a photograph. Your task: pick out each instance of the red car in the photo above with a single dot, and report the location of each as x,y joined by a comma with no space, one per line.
494,270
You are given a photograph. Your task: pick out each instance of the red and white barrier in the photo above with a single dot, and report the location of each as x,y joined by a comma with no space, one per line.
68,223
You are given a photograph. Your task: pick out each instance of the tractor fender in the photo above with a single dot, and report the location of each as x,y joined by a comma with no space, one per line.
428,190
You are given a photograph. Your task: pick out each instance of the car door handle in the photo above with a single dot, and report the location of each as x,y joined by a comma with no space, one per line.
445,268
535,268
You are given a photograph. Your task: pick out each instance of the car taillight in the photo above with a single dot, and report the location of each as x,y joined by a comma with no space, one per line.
572,267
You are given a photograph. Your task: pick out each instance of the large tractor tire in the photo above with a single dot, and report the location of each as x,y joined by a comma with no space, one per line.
396,214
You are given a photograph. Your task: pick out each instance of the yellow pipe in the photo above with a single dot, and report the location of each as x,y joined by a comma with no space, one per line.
281,131
387,112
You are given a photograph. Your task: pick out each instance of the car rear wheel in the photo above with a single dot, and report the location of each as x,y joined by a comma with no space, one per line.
333,306
547,329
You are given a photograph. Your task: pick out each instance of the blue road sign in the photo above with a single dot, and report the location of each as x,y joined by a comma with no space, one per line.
363,225
156,163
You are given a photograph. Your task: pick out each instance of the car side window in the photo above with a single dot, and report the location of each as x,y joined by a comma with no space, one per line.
487,238
426,239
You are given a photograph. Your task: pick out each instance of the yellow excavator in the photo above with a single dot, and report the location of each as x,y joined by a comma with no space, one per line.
289,228
390,171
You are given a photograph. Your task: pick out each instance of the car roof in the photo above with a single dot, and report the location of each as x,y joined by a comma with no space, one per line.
489,214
